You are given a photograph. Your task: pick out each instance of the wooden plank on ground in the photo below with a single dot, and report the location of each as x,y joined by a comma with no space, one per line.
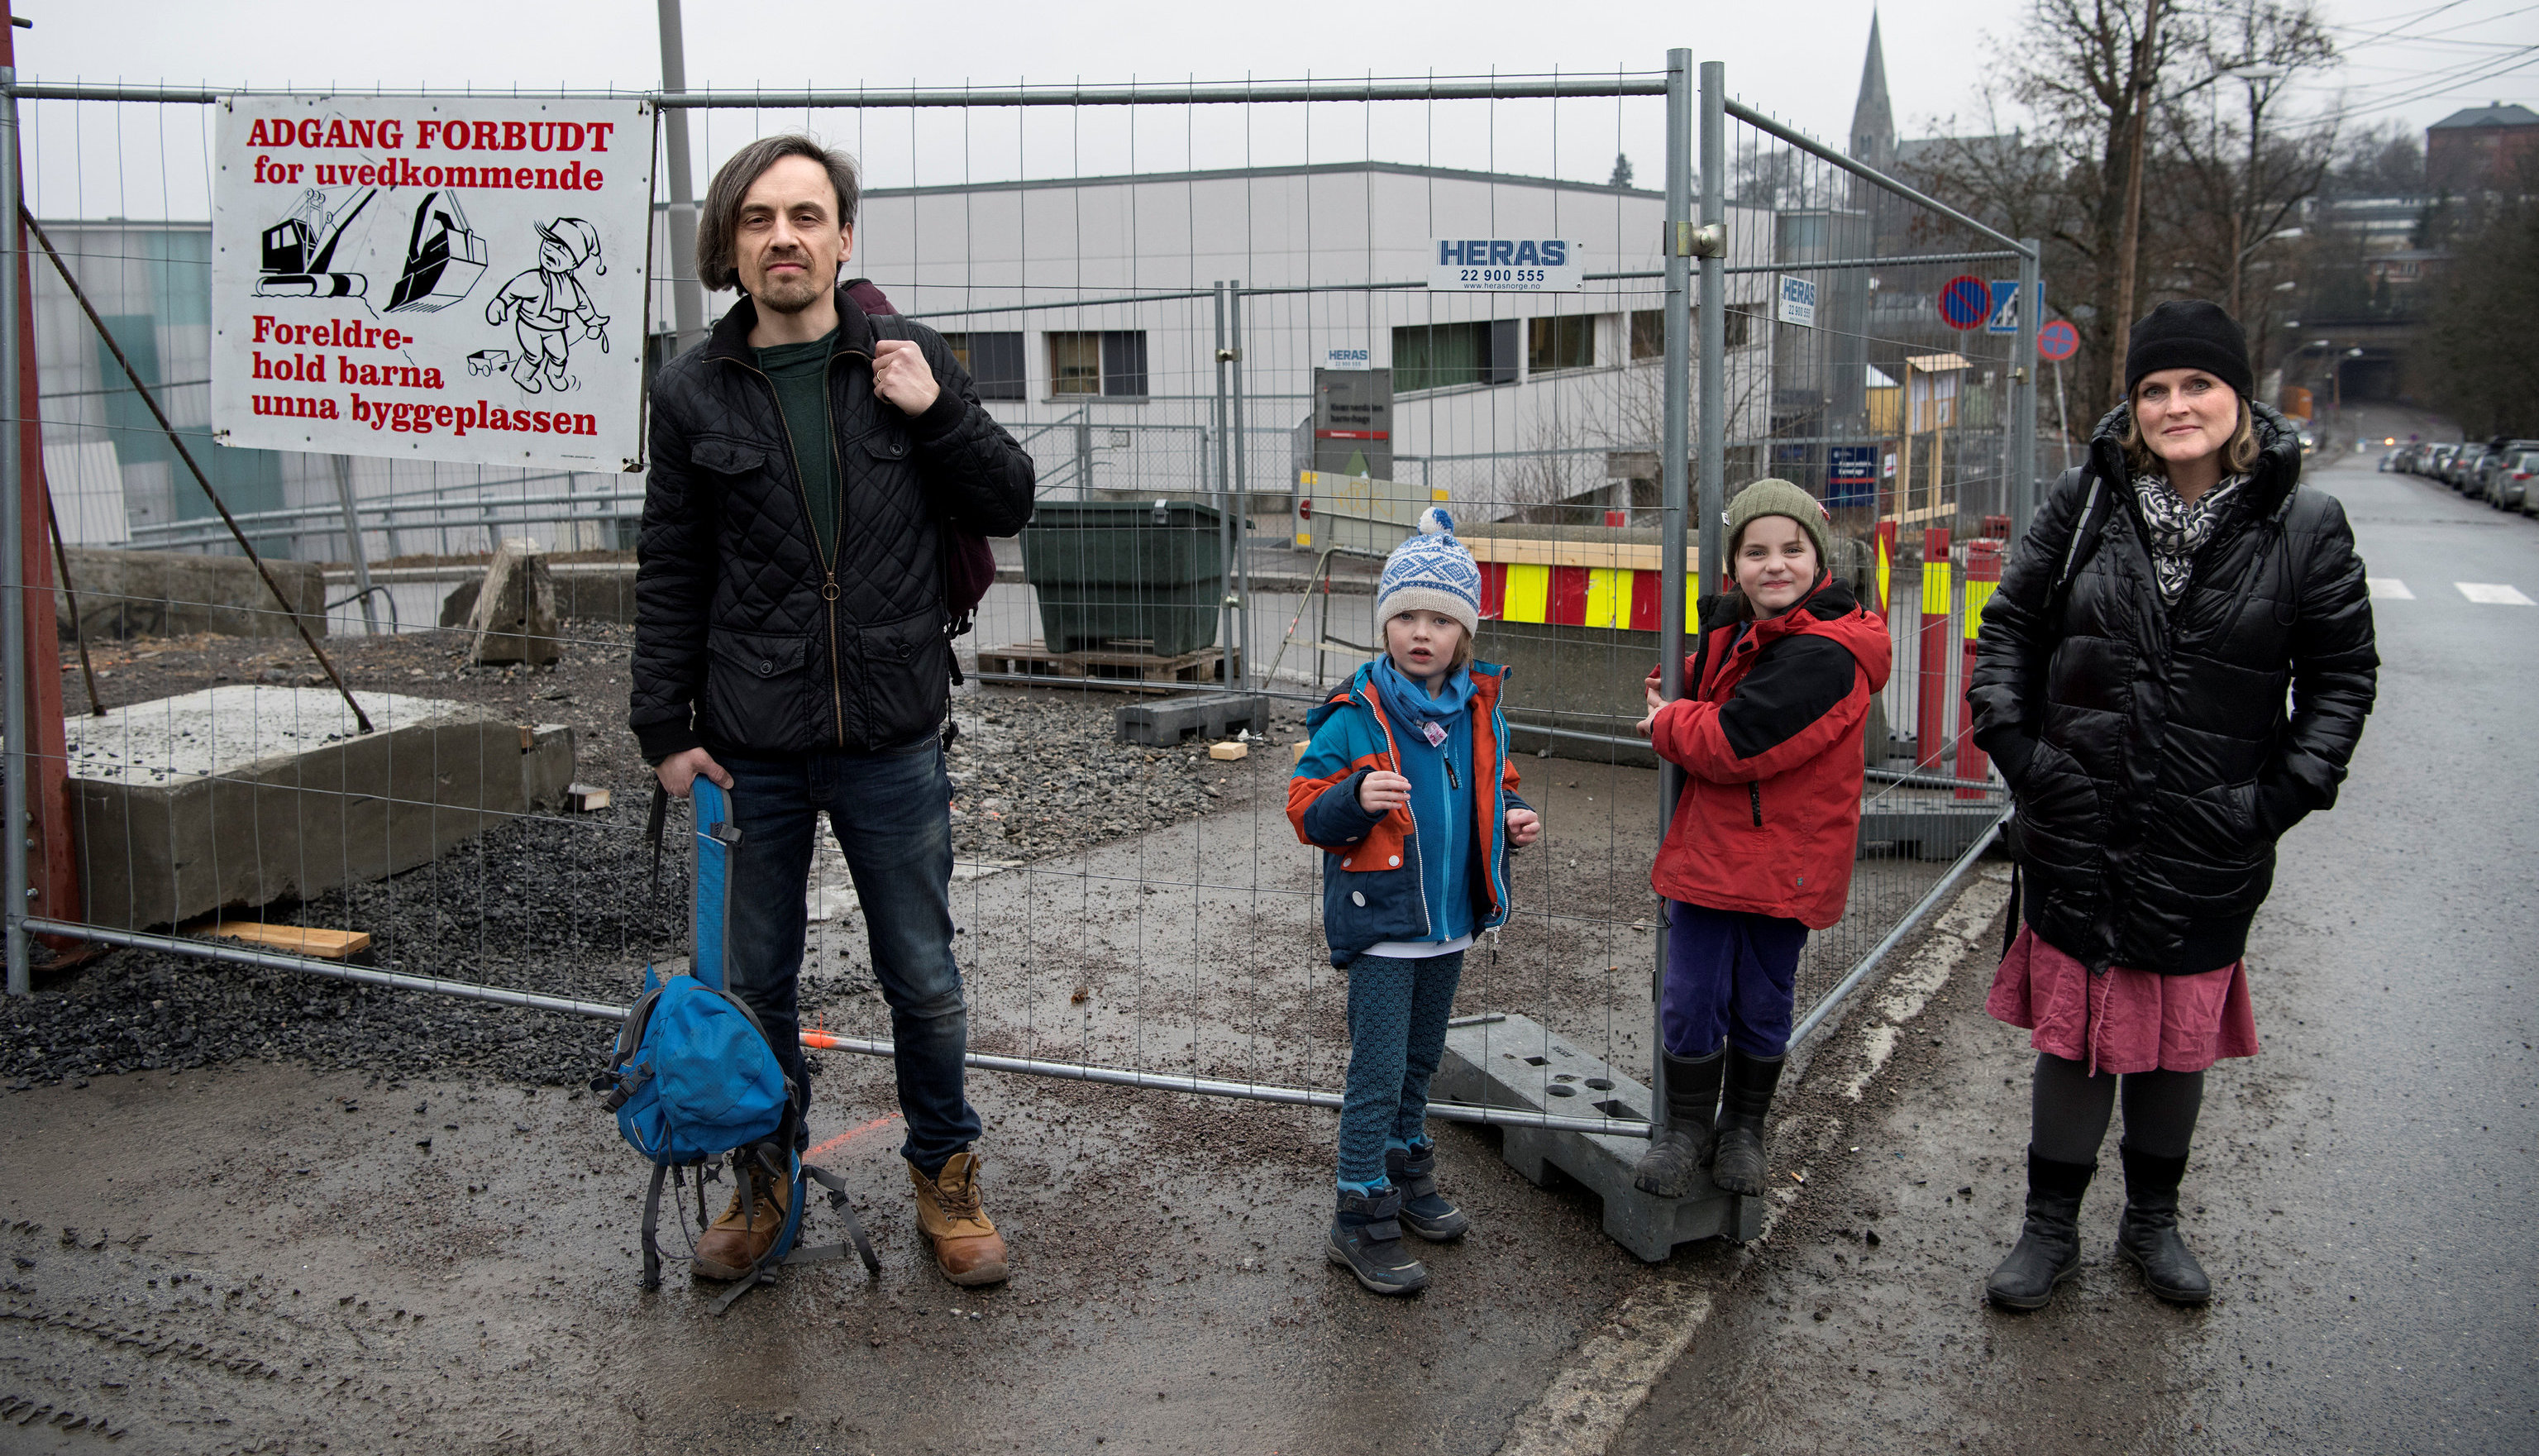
308,940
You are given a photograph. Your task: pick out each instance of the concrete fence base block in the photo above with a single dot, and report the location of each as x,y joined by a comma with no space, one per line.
1927,831
1166,721
1515,1062
245,794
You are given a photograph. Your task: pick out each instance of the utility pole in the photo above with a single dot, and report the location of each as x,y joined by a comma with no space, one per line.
687,296
2129,244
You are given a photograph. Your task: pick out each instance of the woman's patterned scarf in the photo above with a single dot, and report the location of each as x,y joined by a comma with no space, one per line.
2178,528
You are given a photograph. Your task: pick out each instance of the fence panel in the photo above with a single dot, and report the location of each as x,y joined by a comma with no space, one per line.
1216,323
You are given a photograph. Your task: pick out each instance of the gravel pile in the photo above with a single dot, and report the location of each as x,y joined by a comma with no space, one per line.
486,914
1037,774
555,905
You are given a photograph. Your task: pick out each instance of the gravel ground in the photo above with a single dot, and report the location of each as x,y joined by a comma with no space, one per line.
1035,774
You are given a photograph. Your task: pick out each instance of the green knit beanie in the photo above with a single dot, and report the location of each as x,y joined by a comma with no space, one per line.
1775,497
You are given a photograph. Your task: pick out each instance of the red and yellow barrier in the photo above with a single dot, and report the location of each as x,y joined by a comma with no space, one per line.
1575,597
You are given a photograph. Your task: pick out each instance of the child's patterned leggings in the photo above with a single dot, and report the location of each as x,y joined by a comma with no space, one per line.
1397,1020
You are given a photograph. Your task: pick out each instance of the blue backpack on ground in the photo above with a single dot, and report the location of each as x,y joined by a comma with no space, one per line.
693,1079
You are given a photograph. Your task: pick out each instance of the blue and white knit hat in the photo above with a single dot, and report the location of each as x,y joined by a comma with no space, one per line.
1431,572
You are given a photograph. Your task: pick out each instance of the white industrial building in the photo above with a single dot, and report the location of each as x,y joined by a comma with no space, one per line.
1083,306
1089,300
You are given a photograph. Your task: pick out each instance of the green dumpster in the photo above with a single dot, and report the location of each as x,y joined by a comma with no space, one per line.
1130,575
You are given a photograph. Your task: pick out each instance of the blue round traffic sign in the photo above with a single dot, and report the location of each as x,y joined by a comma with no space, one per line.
2058,340
1966,302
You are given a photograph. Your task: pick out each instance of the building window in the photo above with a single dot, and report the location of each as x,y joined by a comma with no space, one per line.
1565,342
1440,356
1648,332
1075,364
1112,362
995,362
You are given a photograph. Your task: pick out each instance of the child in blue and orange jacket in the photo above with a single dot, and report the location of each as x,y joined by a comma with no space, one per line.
1761,849
1407,791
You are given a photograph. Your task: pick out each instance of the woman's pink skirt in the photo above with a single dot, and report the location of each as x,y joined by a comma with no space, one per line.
2125,1020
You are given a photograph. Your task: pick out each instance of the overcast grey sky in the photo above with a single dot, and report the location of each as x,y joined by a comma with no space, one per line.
2411,60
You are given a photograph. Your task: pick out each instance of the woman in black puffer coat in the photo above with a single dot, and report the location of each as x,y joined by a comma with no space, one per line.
2131,677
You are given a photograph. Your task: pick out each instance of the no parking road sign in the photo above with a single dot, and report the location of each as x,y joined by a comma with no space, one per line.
2058,341
1966,302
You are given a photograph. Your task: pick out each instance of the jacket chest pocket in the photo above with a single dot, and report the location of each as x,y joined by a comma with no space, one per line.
757,689
728,458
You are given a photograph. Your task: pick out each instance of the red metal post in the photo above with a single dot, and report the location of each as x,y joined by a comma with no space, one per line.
1932,717
52,871
1983,576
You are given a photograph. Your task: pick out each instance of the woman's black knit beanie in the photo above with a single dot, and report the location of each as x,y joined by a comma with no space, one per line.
2189,334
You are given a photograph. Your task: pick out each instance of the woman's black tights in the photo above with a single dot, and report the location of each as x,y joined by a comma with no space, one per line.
2068,1109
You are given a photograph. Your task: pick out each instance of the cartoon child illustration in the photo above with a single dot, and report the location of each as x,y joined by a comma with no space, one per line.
547,306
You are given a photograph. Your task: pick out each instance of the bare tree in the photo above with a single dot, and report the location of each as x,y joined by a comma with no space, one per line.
2236,174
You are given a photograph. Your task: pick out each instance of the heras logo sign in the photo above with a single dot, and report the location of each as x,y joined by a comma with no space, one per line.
1505,265
1502,252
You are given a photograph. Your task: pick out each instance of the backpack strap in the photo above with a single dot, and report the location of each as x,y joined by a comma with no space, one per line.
651,1223
855,1229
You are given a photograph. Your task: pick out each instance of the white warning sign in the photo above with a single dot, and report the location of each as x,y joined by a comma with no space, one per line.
433,277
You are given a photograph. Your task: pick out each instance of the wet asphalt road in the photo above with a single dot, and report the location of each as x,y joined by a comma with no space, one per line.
2360,1191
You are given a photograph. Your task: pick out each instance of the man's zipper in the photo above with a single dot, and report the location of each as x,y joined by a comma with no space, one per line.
1755,797
829,588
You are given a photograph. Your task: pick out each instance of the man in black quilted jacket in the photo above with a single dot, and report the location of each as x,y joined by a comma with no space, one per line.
792,646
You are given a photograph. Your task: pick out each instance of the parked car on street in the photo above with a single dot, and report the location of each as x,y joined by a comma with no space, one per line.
2497,464
2512,483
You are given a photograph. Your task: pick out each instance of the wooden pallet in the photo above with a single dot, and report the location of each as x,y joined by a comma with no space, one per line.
1123,668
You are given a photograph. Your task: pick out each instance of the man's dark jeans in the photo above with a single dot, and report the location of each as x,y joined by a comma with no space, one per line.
892,815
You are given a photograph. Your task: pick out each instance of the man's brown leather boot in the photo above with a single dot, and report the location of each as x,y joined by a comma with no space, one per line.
967,1247
738,1241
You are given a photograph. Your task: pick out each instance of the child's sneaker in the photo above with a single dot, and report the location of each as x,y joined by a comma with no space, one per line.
1424,1211
1367,1240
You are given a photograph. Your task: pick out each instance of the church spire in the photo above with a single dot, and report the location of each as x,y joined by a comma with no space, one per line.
1873,121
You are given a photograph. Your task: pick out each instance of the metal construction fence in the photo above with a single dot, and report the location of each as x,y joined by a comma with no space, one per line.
1240,382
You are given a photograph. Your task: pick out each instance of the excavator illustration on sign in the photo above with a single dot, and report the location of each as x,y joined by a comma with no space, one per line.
300,250
443,258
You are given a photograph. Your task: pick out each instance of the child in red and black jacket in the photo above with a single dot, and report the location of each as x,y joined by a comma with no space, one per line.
1768,734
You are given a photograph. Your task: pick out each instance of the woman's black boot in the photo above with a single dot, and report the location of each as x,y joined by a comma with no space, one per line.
2048,1251
1676,1156
2148,1233
1745,1095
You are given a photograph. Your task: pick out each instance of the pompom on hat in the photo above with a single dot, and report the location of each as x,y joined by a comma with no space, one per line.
1431,572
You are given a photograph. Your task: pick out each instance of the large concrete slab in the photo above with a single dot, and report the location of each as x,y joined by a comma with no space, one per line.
167,593
244,795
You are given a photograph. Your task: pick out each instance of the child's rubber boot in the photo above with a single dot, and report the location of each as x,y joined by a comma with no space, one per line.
1737,1160
1367,1240
1674,1161
1424,1211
